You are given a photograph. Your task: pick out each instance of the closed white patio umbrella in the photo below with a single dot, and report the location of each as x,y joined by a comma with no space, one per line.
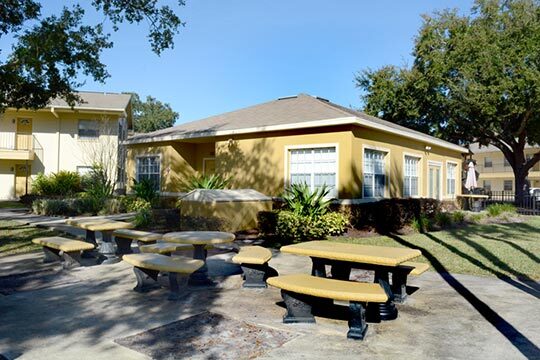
470,181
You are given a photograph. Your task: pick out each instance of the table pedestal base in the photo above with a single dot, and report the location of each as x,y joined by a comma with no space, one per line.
387,310
200,277
91,238
123,246
107,249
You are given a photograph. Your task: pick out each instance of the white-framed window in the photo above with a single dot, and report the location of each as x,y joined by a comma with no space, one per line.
451,179
487,185
410,182
88,129
508,185
488,162
315,166
374,174
84,170
148,167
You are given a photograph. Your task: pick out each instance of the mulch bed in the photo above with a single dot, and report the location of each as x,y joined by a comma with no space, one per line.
206,336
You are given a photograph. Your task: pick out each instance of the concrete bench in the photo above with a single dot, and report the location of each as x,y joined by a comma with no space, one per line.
57,248
254,262
399,278
124,237
148,266
300,292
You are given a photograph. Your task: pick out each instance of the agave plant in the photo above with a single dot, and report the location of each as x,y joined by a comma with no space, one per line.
213,181
302,201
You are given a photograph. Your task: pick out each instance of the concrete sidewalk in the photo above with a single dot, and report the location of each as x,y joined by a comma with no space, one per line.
448,317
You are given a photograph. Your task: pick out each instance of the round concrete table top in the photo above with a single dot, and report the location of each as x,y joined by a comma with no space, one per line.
199,237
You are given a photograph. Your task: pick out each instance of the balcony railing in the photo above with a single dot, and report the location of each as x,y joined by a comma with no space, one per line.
16,141
500,167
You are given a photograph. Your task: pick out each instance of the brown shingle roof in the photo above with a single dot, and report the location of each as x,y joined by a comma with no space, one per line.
96,100
300,111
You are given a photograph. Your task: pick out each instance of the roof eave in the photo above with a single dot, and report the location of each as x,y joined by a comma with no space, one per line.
350,120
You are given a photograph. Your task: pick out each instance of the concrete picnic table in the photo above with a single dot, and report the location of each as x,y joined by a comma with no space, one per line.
107,251
343,257
199,240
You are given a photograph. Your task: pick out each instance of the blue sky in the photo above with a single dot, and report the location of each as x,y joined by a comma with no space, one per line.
236,53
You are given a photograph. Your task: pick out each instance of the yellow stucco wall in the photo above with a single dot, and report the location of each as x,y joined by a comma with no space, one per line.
260,161
57,145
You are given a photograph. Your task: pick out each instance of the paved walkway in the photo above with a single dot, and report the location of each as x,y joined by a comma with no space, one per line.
80,316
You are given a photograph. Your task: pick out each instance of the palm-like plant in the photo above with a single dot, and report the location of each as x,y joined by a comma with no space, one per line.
302,201
213,181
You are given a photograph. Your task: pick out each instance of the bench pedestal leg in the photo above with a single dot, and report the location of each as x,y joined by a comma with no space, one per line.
399,286
51,255
123,246
71,259
146,279
298,308
175,282
107,249
387,310
255,275
357,323
318,269
341,271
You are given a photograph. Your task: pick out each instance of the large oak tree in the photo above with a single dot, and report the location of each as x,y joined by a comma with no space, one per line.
51,53
474,78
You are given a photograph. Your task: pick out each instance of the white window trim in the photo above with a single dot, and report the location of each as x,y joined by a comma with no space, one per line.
420,172
204,160
137,157
386,171
456,173
288,148
440,165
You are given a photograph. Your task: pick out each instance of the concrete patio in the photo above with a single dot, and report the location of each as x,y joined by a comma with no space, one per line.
81,314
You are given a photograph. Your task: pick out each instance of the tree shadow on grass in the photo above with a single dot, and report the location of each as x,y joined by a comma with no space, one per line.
520,341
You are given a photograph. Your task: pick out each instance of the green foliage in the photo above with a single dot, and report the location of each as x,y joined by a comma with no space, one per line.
297,227
133,204
50,52
151,115
213,181
472,79
421,224
302,201
64,183
494,210
476,218
267,222
443,219
203,223
146,190
143,218
458,217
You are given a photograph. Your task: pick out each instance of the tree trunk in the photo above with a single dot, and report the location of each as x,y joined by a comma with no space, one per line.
520,176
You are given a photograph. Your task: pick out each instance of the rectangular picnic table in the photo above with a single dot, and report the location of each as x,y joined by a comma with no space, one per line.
342,257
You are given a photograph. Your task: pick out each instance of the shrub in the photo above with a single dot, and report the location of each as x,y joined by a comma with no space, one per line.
136,204
214,181
202,223
113,206
145,189
295,227
443,219
302,201
422,224
458,217
60,183
267,222
389,215
497,209
143,217
51,207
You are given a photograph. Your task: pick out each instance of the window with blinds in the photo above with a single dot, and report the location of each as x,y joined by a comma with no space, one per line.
411,183
315,167
374,174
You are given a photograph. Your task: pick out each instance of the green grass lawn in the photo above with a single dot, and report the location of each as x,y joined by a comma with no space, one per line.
491,249
16,238
11,205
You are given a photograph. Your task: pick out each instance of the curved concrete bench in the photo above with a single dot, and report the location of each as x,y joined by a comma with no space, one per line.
57,248
301,291
148,266
123,238
254,262
399,278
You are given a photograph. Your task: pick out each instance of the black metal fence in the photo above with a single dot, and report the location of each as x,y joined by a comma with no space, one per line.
529,205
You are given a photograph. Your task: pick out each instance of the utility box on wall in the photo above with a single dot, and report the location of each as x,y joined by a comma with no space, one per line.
237,208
